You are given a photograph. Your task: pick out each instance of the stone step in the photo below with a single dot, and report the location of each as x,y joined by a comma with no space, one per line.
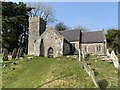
107,59
103,56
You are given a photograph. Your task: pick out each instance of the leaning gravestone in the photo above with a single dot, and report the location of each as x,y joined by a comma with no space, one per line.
20,52
14,53
5,55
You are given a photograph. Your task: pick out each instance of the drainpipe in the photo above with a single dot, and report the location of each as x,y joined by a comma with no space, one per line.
79,55
80,38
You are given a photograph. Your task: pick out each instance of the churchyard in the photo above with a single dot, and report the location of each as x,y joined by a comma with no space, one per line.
27,31
62,72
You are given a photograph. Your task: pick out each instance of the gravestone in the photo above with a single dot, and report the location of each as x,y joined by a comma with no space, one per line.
5,55
20,52
14,53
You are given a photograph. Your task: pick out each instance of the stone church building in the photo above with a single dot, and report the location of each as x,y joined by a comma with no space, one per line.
49,42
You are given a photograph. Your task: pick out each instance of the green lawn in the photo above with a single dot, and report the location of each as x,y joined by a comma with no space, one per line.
104,71
41,72
0,71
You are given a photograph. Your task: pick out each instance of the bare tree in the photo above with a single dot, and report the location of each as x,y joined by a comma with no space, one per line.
80,27
45,12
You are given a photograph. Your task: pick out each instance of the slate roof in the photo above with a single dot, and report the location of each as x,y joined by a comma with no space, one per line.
85,37
71,35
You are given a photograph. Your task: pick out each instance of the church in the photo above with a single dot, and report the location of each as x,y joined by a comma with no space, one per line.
49,42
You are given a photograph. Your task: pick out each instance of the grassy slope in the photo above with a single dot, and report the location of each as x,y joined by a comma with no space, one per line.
105,70
0,71
43,72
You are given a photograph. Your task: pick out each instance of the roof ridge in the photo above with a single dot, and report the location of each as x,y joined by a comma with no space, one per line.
69,30
91,31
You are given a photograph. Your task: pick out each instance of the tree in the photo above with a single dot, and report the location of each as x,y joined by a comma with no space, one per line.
14,25
46,12
79,27
60,26
113,37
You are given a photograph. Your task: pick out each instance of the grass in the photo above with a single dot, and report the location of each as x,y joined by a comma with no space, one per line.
62,72
104,71
0,71
41,72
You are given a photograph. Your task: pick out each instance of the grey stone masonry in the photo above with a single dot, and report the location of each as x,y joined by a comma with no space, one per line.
51,39
36,27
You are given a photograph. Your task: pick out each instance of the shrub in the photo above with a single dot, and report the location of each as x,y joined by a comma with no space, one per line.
103,84
87,56
110,50
118,56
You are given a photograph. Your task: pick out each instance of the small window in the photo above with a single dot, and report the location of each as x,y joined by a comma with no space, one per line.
98,48
85,48
35,41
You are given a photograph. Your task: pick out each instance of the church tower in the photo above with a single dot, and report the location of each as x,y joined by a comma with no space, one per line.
36,27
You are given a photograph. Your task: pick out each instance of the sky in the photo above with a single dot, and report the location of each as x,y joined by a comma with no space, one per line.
90,15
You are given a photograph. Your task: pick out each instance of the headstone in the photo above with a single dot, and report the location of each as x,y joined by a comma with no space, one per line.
14,53
20,52
5,55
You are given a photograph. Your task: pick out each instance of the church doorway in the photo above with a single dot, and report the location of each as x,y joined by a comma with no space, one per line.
50,52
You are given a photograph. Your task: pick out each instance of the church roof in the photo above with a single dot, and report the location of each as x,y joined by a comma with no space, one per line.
71,35
85,37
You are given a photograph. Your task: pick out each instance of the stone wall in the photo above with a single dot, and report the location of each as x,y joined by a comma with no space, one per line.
91,73
94,48
36,28
76,44
91,48
52,39
37,47
67,48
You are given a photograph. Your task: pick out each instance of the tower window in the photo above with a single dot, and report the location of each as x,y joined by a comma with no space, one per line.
85,49
35,41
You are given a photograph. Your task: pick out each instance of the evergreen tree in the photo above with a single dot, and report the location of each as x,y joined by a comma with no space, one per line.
14,25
